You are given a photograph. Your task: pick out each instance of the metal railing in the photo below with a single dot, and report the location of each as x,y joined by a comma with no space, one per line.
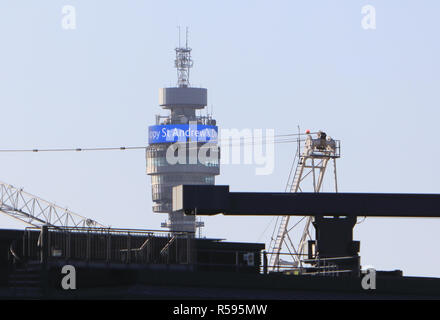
96,246
107,245
316,266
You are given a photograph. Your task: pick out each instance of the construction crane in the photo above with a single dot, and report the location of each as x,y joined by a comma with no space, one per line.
36,212
311,164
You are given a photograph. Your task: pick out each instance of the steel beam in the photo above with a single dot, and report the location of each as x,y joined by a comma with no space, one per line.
211,200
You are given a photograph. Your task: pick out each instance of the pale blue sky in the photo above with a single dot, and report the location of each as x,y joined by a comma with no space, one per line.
266,64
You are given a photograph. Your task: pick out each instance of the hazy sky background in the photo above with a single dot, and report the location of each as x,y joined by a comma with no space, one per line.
266,64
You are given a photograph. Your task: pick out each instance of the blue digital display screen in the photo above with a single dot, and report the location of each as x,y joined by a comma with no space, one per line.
182,133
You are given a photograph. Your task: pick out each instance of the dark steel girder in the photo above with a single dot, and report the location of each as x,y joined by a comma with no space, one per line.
211,200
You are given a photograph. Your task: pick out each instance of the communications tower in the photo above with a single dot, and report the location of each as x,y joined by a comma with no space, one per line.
183,145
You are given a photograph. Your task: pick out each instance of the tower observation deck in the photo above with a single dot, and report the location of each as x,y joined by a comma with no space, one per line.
183,145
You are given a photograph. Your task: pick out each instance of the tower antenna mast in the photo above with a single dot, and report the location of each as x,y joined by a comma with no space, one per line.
183,63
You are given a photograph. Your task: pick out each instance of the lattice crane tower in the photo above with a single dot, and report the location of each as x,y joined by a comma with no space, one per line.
291,234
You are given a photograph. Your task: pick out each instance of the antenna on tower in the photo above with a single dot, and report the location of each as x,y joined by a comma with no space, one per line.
183,62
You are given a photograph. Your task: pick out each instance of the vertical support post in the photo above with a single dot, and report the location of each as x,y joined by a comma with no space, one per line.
264,262
313,174
29,243
44,245
147,255
177,249
109,244
68,246
336,177
128,248
236,261
324,163
88,247
188,249
49,240
24,246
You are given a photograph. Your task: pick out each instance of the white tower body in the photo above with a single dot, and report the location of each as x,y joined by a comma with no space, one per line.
183,131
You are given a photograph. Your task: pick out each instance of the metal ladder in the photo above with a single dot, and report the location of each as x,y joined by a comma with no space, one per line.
282,230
